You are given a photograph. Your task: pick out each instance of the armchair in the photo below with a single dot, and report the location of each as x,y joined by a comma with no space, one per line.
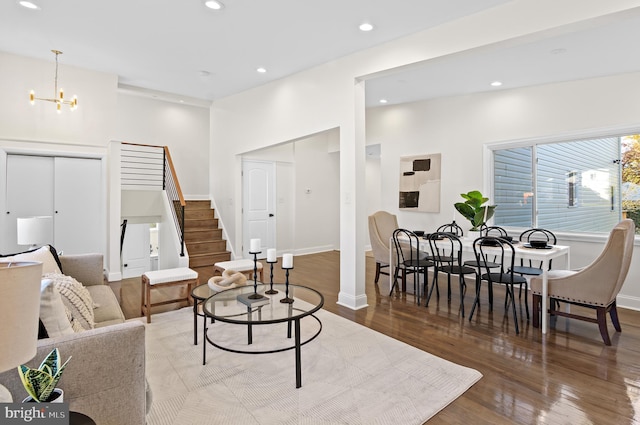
381,227
594,286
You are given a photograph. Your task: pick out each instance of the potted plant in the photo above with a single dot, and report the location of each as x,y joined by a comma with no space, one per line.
473,210
41,383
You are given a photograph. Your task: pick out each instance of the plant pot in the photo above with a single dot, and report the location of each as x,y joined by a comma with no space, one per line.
57,396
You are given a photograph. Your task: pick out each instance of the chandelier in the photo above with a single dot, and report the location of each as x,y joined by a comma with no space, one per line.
58,98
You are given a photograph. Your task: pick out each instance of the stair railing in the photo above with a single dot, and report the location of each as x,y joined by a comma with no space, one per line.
171,187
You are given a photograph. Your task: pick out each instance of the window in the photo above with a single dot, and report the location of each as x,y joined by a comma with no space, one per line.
575,186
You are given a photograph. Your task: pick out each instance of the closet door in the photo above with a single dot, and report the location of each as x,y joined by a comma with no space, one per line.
78,207
30,193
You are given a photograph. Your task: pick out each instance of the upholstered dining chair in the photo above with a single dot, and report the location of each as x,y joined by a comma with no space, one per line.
594,286
381,227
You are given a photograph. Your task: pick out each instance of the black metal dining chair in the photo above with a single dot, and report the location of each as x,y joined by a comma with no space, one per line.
446,252
409,259
526,237
504,253
453,228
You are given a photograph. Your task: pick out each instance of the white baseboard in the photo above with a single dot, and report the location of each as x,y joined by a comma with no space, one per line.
113,276
627,301
354,303
314,250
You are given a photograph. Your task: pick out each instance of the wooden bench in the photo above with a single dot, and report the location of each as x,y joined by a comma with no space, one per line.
163,279
243,266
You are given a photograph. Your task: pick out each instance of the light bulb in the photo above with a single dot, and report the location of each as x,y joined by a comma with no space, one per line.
32,97
61,94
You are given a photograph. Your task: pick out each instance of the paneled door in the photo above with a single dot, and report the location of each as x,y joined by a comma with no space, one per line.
78,205
29,193
68,189
258,205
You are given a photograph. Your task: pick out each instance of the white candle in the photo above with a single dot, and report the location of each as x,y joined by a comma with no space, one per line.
271,255
287,261
255,245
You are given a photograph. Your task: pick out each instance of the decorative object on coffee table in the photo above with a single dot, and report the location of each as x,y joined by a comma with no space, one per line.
20,306
41,383
271,259
255,250
287,264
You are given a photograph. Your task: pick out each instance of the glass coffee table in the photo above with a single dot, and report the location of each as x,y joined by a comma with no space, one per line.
225,307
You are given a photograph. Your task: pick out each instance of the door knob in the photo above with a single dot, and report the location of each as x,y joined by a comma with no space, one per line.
270,215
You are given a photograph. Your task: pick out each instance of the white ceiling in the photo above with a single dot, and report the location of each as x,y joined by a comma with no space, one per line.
181,47
600,47
167,45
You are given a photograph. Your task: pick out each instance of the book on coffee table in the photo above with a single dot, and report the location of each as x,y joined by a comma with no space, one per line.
249,302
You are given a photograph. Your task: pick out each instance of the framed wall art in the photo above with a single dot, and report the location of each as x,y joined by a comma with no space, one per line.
420,183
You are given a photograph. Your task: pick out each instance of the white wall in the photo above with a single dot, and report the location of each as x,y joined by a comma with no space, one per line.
306,222
103,114
459,127
332,95
181,127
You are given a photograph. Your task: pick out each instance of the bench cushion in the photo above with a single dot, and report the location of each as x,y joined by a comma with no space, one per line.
170,275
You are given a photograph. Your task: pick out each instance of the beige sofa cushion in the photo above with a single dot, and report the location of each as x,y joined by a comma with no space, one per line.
52,310
43,254
107,311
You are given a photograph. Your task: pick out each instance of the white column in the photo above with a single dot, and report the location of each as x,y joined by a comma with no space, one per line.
353,205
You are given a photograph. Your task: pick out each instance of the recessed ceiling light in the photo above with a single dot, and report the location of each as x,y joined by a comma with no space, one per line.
496,83
365,27
214,4
28,4
261,70
383,101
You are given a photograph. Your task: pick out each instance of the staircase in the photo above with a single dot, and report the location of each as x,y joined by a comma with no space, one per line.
203,239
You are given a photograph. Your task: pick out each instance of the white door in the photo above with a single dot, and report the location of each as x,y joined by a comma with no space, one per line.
136,251
258,205
29,193
78,205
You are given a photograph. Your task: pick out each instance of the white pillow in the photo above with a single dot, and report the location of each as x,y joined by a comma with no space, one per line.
76,298
52,310
43,255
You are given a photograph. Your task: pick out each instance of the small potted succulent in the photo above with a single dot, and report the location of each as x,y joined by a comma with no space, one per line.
41,383
473,210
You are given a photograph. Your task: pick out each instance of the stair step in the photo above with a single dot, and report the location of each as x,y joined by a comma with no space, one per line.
196,223
204,273
197,213
199,260
198,205
206,247
201,235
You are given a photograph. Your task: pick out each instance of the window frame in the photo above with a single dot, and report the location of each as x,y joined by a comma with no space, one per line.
488,162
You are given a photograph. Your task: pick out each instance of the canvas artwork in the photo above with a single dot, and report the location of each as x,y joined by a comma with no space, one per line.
420,183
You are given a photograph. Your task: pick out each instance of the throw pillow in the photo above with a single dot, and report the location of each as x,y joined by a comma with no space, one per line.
43,254
52,311
77,299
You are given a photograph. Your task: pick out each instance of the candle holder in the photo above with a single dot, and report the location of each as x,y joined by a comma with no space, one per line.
286,298
271,291
255,295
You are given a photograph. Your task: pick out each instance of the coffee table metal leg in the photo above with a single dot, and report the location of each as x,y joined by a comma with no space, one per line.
204,341
195,321
249,328
298,355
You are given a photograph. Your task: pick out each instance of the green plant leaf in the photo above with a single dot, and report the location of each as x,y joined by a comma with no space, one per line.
37,383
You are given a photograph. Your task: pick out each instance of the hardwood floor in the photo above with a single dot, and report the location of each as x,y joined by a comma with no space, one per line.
566,377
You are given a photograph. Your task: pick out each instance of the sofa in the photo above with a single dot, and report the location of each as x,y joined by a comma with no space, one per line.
105,379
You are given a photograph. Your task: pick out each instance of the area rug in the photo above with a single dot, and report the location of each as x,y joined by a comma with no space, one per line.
350,375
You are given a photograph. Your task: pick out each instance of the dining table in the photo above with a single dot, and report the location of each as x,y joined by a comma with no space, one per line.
522,251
